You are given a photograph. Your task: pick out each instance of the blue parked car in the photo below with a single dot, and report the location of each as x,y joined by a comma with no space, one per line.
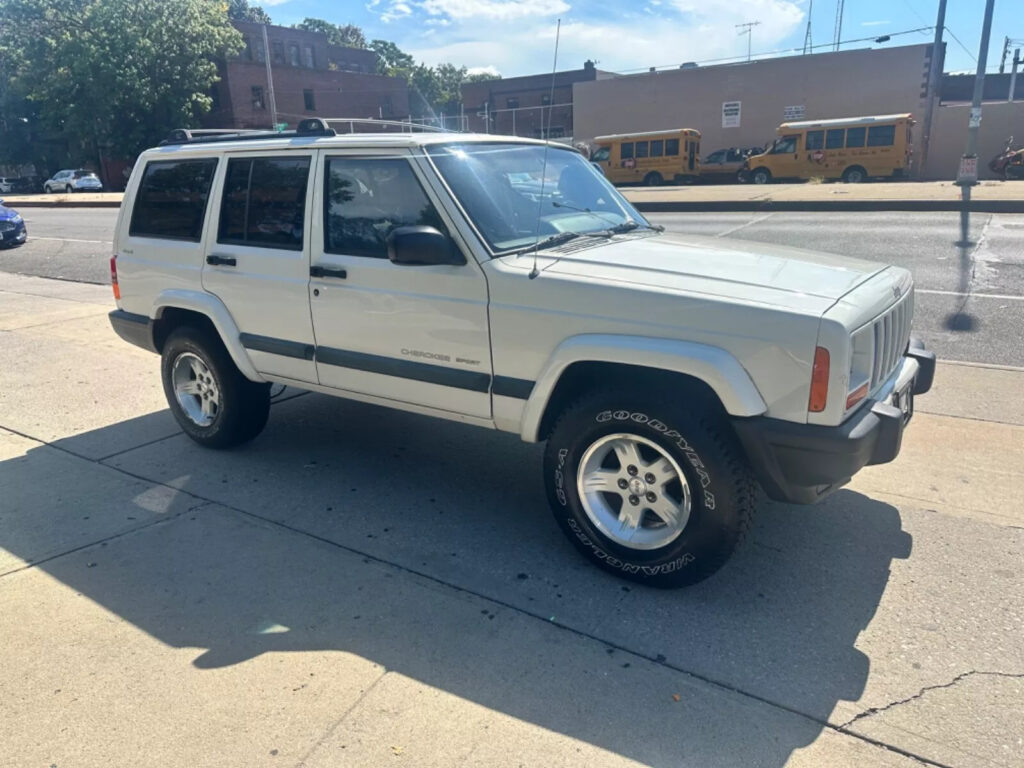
12,227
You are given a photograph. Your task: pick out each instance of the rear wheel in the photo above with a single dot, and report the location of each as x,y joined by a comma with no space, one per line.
211,400
649,489
653,179
854,175
761,176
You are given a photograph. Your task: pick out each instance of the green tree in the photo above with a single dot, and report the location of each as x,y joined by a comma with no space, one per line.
449,79
113,74
348,35
392,60
481,77
240,10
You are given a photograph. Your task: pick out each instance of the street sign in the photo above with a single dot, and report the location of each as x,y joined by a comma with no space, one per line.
795,112
731,114
968,170
280,127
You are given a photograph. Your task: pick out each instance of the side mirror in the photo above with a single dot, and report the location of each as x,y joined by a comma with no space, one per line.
423,246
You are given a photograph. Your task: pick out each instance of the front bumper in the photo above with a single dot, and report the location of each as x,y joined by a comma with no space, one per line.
802,463
15,236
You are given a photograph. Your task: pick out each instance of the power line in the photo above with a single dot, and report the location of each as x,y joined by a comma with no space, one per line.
973,57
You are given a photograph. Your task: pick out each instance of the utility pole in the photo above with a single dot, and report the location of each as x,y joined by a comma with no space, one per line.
270,80
839,24
1002,59
1013,72
934,73
747,29
808,47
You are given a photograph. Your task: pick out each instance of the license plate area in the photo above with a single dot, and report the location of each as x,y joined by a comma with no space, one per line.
904,400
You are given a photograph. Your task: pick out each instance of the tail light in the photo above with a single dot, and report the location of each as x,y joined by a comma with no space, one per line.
113,277
819,381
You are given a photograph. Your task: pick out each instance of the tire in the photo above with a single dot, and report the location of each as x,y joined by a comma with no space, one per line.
714,500
653,179
742,177
854,175
69,189
761,176
223,408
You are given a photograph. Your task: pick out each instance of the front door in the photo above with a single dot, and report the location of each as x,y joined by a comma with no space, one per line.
785,157
257,259
411,333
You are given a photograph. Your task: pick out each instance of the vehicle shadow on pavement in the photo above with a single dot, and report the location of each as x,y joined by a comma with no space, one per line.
345,527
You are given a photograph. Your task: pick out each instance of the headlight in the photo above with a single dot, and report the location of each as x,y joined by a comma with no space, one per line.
7,225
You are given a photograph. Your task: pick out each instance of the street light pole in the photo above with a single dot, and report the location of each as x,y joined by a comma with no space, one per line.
270,80
934,72
968,175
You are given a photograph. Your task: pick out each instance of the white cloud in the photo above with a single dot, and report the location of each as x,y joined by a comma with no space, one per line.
874,23
271,2
494,9
490,69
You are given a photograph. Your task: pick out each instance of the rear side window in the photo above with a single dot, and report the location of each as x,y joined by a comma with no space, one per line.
881,135
264,202
815,139
671,147
366,199
855,137
626,150
171,201
834,138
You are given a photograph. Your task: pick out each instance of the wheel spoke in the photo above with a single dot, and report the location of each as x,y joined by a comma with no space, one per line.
664,469
627,452
602,480
209,408
667,510
189,387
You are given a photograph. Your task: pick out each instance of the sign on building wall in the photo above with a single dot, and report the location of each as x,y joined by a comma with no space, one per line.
730,114
796,112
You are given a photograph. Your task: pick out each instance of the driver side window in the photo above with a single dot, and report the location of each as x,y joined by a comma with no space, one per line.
785,146
366,199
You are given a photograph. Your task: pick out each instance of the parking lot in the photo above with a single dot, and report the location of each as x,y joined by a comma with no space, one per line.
362,587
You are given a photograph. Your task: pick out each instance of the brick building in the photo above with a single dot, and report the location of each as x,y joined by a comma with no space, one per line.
311,78
515,105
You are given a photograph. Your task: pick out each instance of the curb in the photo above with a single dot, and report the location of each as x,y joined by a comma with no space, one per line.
825,206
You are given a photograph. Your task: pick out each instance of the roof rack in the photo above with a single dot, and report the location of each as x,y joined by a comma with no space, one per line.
406,127
313,126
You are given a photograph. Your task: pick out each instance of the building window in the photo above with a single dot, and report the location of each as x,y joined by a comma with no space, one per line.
309,99
386,108
257,97
277,52
545,100
247,54
293,54
308,58
512,103
261,51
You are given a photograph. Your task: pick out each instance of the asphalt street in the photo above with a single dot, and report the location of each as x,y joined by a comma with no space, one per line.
970,297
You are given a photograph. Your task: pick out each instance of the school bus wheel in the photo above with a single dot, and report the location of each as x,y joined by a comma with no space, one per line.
854,175
761,176
653,179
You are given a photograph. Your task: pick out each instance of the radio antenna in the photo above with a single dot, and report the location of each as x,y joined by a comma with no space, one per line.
547,142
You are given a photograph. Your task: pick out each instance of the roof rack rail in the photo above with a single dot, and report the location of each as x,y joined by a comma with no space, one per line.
405,126
313,126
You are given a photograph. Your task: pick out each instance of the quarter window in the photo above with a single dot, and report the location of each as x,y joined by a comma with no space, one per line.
641,149
815,139
657,148
671,147
626,150
834,138
855,137
171,201
365,200
881,135
264,202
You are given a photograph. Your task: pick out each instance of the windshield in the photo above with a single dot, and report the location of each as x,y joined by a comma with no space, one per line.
515,197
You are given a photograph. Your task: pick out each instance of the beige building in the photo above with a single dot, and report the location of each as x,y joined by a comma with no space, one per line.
741,105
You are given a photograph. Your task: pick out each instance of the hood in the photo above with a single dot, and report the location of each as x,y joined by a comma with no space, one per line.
8,213
744,271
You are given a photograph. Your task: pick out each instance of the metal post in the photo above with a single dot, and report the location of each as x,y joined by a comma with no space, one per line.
1013,72
270,80
934,72
514,122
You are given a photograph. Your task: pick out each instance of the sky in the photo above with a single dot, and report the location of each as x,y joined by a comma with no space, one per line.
517,37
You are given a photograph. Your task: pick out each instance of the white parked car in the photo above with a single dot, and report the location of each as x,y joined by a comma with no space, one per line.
503,282
73,181
6,184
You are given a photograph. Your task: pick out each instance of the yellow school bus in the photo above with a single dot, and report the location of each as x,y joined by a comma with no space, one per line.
649,158
853,149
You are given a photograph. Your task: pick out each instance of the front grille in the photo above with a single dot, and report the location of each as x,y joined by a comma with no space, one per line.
891,334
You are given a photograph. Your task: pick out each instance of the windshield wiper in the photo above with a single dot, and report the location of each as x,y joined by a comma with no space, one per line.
629,226
551,242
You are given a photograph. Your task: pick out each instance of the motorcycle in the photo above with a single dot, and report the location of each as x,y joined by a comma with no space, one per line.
1008,164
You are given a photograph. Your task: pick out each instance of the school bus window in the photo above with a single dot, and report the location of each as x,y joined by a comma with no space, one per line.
602,154
657,148
785,145
834,138
626,150
815,139
855,137
671,147
881,135
641,149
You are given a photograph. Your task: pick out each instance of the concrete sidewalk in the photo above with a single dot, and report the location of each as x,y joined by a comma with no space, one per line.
364,587
988,196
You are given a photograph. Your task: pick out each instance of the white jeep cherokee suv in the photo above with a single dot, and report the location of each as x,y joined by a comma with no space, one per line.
503,282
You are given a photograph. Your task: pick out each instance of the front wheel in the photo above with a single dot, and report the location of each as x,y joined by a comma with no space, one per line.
649,489
211,400
761,176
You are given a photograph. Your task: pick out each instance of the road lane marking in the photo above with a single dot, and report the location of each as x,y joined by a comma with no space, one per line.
73,240
1000,296
755,220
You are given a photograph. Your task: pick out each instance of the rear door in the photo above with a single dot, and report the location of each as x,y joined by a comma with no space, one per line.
257,258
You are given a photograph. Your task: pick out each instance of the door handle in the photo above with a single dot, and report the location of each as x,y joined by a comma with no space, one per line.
222,261
316,271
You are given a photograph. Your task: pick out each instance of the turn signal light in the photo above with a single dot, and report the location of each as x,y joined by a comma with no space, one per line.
113,277
819,381
857,395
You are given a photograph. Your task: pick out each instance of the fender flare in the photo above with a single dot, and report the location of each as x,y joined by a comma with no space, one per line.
716,367
213,308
